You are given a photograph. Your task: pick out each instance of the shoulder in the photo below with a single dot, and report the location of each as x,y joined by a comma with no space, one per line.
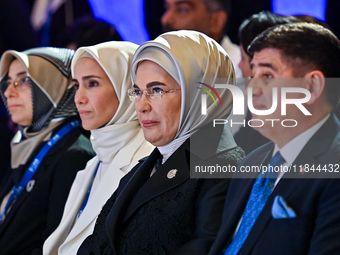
71,154
233,156
258,153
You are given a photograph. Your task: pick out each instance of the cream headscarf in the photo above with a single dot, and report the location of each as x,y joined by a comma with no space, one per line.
52,95
115,59
191,57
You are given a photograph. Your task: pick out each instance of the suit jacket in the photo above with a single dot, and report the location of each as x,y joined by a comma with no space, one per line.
70,234
162,214
316,202
36,212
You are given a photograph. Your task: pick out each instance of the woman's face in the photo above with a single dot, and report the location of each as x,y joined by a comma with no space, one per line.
95,97
18,94
159,117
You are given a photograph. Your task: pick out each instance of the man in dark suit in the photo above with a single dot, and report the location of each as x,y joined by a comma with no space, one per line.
301,212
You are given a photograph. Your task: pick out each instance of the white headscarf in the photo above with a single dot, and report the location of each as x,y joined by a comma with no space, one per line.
115,59
191,57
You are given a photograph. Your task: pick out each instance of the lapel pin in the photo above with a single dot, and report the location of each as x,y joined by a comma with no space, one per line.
172,173
302,169
30,185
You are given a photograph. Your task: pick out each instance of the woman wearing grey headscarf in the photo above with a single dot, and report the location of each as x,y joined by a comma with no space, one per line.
47,151
158,208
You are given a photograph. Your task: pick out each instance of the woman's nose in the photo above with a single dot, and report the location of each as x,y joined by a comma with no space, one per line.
143,104
10,91
80,96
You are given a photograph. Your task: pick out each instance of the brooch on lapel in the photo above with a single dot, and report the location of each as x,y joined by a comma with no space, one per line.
172,173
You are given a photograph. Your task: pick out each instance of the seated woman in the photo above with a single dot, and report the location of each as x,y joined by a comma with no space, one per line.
47,151
101,76
158,208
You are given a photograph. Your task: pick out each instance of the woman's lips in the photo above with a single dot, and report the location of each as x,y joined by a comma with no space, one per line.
84,113
13,106
149,123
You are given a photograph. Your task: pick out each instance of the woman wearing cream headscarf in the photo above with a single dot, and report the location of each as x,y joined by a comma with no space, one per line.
47,151
159,209
101,76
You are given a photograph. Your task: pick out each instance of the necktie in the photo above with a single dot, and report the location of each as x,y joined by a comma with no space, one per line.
261,190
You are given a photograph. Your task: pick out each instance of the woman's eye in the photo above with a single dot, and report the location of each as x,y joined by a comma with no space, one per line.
137,91
25,80
93,84
76,86
157,90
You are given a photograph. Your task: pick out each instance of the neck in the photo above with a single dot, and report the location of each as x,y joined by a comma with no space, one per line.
283,135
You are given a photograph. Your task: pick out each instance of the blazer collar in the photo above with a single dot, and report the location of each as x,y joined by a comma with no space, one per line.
140,187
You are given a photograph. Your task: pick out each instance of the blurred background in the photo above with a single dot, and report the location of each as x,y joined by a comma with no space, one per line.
28,23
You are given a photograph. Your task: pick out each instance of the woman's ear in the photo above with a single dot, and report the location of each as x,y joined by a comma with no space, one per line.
315,83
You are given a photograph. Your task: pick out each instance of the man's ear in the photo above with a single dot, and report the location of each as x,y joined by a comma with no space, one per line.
315,83
217,22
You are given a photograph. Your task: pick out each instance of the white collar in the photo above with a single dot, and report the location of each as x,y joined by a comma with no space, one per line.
293,148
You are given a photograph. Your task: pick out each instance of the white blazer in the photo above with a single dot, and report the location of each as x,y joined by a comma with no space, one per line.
70,234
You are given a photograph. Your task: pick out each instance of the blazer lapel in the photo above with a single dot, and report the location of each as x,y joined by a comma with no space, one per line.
160,182
87,215
104,191
285,188
237,198
129,186
236,201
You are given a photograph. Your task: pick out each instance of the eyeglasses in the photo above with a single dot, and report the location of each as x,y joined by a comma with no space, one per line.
20,84
153,93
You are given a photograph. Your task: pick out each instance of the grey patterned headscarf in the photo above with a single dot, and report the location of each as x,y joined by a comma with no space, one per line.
52,95
49,72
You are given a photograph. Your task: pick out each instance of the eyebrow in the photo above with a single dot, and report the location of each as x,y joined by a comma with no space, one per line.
184,2
269,65
18,74
86,78
180,2
151,84
89,77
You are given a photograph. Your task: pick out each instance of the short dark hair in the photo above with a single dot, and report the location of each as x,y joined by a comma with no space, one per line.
257,23
215,5
305,47
87,31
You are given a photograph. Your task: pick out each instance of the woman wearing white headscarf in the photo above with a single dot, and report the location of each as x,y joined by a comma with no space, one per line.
47,151
101,76
160,209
